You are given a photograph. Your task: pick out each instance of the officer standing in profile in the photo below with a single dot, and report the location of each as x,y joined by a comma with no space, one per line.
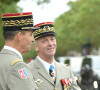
17,31
49,74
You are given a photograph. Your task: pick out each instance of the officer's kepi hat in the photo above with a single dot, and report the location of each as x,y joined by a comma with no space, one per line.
43,29
17,21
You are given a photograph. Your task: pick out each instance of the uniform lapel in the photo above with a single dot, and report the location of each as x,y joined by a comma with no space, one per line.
58,73
42,71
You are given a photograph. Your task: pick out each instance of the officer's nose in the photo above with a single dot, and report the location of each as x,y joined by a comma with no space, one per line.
50,42
33,39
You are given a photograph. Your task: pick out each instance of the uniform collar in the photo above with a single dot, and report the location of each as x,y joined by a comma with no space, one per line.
13,49
46,64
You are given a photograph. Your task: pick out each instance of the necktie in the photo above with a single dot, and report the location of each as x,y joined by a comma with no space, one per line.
51,72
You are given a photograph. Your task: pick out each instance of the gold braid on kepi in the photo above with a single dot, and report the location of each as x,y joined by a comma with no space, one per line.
43,29
17,21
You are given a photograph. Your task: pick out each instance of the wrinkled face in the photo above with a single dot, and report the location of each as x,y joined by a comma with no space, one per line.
46,46
26,41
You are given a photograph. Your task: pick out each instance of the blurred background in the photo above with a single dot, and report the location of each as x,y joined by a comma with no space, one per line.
78,30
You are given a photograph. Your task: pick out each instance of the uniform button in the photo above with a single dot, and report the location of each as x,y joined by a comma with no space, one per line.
55,88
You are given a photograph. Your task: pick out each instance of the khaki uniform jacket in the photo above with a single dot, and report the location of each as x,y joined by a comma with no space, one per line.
11,72
43,79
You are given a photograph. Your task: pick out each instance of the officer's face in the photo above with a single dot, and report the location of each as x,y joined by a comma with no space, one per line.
46,46
26,41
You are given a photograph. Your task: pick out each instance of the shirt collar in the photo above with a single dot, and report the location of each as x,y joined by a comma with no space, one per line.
46,64
13,49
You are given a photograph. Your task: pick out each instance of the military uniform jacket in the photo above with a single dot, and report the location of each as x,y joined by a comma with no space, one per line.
43,79
14,73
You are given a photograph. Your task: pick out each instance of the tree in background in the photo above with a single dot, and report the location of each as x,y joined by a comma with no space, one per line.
76,26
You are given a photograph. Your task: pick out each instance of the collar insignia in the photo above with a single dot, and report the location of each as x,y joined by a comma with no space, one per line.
38,81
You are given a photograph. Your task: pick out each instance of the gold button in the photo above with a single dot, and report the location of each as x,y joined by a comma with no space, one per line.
55,88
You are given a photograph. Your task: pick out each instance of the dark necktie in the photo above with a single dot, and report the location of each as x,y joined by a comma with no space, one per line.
51,72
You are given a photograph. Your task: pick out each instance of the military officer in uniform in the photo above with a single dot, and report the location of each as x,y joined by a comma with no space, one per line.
49,74
17,31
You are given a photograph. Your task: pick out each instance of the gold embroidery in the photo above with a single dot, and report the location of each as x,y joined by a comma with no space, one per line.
27,27
17,22
45,29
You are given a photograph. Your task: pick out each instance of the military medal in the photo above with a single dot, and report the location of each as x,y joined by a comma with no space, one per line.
66,83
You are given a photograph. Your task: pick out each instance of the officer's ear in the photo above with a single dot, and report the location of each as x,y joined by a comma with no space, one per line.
19,36
35,46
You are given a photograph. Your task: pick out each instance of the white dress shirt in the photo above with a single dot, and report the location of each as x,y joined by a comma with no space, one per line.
47,65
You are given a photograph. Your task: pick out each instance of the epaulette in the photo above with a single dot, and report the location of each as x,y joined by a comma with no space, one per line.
16,61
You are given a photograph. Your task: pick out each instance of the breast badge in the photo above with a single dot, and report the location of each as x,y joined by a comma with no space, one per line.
38,81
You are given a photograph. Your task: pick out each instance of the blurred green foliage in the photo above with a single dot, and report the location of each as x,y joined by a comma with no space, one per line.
32,54
67,61
87,61
78,26
39,2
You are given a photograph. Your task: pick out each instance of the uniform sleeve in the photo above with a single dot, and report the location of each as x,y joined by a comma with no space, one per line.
20,77
74,83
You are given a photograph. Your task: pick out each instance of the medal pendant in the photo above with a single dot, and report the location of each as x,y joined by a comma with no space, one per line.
65,87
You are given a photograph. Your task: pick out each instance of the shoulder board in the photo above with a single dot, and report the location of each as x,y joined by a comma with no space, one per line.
16,61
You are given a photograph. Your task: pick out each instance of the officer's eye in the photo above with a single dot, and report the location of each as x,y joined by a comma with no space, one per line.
53,39
44,40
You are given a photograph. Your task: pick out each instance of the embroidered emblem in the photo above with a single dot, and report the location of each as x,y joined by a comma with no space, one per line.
23,73
38,81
